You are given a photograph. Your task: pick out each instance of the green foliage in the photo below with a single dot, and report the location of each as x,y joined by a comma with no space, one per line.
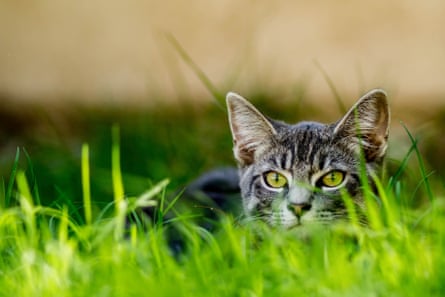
45,251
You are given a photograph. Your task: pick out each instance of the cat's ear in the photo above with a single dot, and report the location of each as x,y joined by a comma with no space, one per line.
251,131
367,124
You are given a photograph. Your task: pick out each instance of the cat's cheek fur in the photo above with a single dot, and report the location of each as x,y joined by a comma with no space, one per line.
250,205
282,216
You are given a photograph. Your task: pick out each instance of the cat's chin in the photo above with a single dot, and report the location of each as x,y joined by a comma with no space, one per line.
291,221
285,223
297,224
293,226
283,217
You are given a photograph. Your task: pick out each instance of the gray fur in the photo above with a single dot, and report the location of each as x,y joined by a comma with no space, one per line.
303,153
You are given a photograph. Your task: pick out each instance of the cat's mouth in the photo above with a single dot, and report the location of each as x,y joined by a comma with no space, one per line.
291,215
290,219
287,223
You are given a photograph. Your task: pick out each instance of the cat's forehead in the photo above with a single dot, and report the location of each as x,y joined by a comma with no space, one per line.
307,132
301,144
308,126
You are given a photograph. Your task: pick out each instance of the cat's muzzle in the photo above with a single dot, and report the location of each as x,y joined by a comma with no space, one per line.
299,208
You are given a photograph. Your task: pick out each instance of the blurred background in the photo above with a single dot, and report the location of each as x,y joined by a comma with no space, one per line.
69,70
116,51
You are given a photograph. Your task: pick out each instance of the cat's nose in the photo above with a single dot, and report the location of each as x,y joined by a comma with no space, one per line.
299,208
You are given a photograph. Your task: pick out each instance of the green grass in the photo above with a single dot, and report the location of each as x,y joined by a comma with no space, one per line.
88,248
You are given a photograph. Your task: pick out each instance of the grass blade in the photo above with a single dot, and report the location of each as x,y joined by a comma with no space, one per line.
351,209
146,199
86,184
198,71
403,165
331,85
118,185
421,164
12,178
388,206
23,187
34,187
116,173
2,194
27,205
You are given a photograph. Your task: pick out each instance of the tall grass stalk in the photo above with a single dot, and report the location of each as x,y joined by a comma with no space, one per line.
9,189
219,98
331,85
422,169
118,186
32,177
26,206
86,184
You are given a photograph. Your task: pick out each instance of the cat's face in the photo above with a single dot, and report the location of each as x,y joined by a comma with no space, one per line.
295,174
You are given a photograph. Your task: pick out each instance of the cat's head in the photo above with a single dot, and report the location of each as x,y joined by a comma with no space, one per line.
294,174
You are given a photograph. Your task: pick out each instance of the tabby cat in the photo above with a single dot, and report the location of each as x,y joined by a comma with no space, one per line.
290,175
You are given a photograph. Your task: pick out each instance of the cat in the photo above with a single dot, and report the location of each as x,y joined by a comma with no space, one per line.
292,175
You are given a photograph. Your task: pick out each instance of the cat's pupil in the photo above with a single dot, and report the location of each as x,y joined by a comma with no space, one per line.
275,177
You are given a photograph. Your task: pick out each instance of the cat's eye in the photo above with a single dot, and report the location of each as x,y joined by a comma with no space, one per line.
332,179
275,179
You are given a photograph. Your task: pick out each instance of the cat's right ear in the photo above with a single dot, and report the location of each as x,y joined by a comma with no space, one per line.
366,125
251,131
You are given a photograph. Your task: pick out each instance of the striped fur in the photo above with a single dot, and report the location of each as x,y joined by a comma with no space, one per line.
303,153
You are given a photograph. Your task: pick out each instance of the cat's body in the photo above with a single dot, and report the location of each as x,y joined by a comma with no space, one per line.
292,175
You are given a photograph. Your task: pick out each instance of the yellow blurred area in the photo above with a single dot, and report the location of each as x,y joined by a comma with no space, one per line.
117,50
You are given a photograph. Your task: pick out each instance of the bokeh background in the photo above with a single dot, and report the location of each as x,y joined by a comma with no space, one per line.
117,50
69,70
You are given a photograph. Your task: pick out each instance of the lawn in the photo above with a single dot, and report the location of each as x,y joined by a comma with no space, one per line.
68,190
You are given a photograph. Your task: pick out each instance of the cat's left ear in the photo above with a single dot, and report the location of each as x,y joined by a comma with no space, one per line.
251,130
366,124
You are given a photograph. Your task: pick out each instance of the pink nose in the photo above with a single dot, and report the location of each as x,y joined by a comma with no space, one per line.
299,209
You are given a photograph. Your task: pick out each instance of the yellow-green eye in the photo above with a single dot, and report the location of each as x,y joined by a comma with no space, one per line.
333,178
274,179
